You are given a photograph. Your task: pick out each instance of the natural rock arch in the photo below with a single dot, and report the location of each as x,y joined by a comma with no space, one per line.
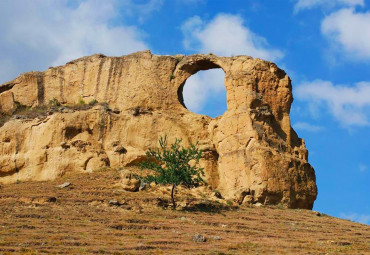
206,80
251,152
185,70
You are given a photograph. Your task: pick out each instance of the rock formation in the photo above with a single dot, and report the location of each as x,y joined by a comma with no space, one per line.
251,152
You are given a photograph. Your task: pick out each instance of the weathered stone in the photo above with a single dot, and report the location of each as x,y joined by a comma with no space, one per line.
7,104
128,182
317,213
198,238
250,148
64,185
143,185
248,199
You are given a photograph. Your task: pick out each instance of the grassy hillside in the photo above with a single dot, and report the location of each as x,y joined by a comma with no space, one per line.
95,216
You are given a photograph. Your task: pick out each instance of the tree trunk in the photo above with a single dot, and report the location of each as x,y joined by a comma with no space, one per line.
173,199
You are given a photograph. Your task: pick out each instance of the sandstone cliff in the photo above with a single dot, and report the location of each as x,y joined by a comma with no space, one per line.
251,152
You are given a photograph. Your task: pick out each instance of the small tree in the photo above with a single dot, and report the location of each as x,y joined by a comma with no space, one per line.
172,165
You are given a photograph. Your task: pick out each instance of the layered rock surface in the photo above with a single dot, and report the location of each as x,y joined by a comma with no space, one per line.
251,152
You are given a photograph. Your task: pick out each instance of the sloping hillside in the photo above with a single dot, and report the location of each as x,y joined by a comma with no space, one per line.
95,216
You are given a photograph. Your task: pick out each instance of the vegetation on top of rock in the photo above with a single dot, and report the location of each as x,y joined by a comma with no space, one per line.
27,112
174,165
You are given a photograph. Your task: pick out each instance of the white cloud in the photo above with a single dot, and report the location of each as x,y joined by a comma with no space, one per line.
361,218
36,34
310,4
139,9
349,31
201,86
307,127
349,105
226,35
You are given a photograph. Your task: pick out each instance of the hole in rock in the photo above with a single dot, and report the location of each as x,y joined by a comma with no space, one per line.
204,93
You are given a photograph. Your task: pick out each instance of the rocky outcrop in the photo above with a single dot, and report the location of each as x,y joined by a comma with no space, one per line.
250,151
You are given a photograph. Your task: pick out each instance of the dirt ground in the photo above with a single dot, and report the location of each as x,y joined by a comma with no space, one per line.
95,216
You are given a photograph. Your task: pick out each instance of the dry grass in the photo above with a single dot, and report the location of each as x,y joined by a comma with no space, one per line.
81,221
41,112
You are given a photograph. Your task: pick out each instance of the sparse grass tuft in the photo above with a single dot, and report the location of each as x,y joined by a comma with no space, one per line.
54,102
81,101
93,102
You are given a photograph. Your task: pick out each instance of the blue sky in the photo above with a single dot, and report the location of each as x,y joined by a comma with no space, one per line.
324,46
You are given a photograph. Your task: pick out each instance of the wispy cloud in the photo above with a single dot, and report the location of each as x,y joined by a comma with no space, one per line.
350,105
348,32
361,218
310,4
362,167
226,35
191,1
307,127
54,32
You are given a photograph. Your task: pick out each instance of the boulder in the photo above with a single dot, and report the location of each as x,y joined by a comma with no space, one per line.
198,238
128,182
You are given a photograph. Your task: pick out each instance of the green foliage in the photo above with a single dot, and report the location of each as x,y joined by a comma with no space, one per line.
93,102
229,202
172,76
81,101
174,165
54,102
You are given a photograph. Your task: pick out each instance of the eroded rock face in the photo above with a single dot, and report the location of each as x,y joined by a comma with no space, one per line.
251,150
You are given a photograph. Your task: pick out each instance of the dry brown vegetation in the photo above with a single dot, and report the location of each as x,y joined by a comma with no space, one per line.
95,216
25,112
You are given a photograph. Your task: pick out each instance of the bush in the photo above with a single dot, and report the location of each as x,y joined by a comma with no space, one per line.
54,102
93,102
81,101
171,165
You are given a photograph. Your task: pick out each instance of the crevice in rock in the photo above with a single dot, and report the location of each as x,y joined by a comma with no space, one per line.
7,86
61,87
120,66
87,161
40,90
82,84
17,144
137,111
98,76
111,68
